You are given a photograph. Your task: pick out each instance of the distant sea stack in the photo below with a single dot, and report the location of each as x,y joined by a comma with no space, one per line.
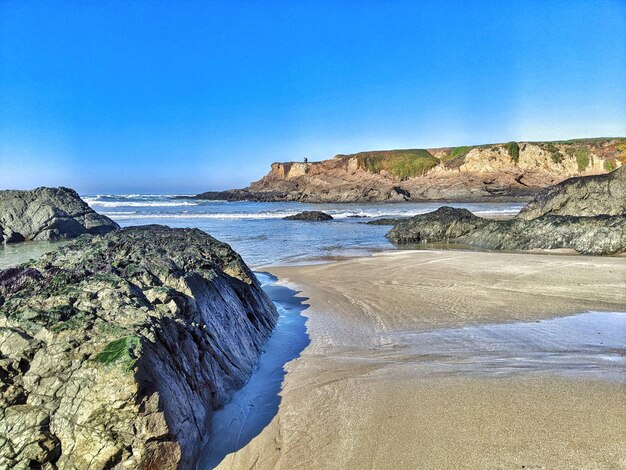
508,171
115,350
586,214
48,214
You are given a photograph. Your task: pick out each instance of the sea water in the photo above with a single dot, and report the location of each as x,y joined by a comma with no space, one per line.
258,232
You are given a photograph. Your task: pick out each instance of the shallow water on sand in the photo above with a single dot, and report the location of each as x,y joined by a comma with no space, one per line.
254,406
591,345
11,255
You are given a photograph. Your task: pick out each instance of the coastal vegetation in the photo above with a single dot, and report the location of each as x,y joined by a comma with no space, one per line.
621,147
513,149
457,152
399,163
609,165
555,154
121,351
582,157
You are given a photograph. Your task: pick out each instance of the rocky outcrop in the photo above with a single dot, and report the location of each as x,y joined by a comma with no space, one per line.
599,235
508,171
384,221
48,214
116,349
583,196
314,216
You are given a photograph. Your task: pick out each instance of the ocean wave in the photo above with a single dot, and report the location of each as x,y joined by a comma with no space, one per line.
279,214
99,203
131,196
258,215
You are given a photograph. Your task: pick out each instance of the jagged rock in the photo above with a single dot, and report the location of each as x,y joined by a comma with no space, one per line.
582,196
315,216
48,214
116,349
599,235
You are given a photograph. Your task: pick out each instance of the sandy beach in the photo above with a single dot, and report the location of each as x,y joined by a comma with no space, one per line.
360,396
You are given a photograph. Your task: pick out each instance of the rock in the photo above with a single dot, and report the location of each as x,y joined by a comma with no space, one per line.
48,214
384,221
497,172
599,235
310,215
582,196
115,350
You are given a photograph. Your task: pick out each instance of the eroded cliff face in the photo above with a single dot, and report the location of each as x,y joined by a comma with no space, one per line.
515,170
116,349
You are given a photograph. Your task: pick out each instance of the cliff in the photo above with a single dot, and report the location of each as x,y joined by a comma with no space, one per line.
48,214
514,170
116,349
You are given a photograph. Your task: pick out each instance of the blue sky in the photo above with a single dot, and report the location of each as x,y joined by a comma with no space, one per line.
182,97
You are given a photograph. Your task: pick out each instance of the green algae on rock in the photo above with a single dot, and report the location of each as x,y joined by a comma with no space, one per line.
116,349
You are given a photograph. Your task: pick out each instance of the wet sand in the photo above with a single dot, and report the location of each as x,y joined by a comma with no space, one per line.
360,397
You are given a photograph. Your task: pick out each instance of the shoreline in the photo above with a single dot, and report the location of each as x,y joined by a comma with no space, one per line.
355,399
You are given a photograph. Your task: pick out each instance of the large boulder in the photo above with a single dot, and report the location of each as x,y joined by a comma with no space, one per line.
315,216
48,214
599,235
115,350
582,196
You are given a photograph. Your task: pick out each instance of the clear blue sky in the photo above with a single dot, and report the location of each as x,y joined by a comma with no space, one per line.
159,96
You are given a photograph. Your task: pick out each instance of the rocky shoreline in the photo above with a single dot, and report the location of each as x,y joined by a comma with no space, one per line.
116,349
586,214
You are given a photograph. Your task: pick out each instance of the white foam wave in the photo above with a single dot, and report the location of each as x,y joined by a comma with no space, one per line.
97,203
258,215
284,213
131,196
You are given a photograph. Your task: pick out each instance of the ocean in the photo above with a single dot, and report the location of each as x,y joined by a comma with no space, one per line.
257,231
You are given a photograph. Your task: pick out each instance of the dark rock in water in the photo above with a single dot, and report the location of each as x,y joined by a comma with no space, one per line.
582,196
115,350
600,235
310,215
48,214
232,195
384,221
